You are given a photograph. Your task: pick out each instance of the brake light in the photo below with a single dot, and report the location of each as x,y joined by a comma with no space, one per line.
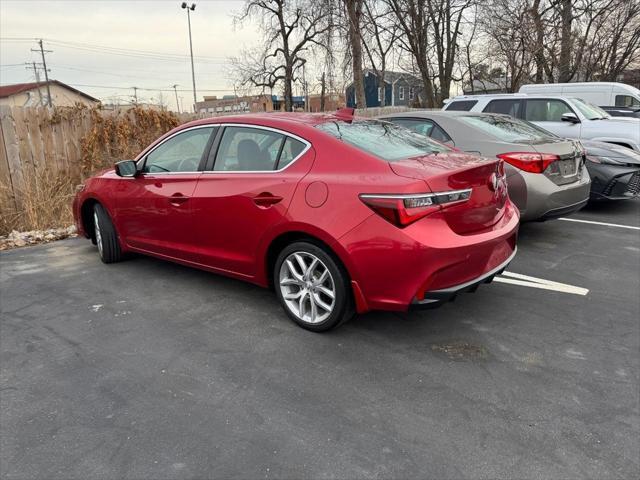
402,210
528,161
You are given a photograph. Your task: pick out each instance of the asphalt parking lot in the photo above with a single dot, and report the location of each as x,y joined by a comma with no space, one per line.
146,369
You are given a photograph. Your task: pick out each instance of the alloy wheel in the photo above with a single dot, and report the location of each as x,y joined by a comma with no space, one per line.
96,224
307,287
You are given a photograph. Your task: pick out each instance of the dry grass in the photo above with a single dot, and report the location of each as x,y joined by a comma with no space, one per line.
46,203
47,193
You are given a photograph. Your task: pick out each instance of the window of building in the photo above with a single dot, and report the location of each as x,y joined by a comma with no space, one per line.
401,93
411,93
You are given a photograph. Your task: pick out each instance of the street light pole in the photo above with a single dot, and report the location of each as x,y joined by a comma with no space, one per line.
193,73
176,92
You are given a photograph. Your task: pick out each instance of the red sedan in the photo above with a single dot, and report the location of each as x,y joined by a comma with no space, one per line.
338,214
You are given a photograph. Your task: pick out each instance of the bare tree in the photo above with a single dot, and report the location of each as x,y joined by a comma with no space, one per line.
413,21
290,29
380,32
354,23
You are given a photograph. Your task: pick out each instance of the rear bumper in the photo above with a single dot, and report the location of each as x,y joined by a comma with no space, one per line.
395,268
435,298
546,200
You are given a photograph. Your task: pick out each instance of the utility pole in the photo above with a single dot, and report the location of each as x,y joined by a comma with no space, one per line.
135,95
193,73
176,92
37,75
44,66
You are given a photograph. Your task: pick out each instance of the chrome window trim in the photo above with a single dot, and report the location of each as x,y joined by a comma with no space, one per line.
261,127
145,154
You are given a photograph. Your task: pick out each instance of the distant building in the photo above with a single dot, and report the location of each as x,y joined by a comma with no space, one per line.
35,94
400,89
630,77
278,102
332,101
213,105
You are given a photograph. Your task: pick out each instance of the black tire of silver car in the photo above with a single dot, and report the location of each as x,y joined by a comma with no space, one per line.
106,236
313,287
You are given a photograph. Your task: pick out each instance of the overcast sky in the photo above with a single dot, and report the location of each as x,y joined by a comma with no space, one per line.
77,32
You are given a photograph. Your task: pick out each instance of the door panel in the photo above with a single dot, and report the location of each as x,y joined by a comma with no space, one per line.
154,208
232,211
154,213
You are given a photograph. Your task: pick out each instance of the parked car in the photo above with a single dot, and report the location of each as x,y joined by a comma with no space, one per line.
336,213
566,117
546,174
614,171
622,112
604,94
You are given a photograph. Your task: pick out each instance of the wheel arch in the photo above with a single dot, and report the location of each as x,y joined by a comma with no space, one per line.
323,240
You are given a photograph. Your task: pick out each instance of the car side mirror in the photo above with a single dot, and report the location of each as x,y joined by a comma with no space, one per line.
570,117
126,168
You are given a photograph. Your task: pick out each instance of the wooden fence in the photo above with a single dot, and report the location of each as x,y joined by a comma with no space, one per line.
36,140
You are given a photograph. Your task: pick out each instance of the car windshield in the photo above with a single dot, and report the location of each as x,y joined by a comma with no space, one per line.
590,111
508,129
382,139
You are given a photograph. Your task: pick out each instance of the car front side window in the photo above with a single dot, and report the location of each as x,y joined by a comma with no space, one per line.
546,110
180,153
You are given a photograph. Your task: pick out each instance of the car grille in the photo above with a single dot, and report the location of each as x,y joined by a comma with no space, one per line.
633,187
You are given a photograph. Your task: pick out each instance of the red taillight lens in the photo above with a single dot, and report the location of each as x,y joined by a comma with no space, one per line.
402,210
528,161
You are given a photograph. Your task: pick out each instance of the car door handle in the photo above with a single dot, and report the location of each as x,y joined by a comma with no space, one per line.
177,199
266,199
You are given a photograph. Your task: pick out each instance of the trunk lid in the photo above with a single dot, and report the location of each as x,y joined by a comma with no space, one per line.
459,171
568,168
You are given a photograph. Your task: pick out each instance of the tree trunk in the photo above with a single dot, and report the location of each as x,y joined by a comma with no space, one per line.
566,15
354,14
539,41
322,92
288,88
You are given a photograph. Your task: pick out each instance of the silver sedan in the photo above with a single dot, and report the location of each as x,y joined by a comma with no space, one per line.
546,174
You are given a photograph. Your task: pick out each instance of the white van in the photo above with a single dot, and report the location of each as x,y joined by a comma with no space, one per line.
603,94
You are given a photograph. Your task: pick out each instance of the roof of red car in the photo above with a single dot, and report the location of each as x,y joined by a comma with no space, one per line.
310,119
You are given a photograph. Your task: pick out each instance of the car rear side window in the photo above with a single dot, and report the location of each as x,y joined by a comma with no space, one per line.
290,151
424,127
504,106
461,105
245,149
382,139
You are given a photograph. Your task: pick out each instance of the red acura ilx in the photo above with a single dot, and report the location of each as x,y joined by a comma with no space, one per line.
338,214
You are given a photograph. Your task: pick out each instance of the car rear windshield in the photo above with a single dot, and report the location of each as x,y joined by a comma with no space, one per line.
382,139
508,129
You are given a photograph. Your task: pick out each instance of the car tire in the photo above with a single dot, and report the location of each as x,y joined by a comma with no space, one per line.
312,287
106,236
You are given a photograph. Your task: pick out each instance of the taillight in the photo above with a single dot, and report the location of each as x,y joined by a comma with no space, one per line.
402,210
529,162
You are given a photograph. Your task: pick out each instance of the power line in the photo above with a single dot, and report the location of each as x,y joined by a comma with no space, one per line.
146,89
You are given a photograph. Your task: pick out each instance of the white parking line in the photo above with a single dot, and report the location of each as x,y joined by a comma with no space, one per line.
534,282
630,227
